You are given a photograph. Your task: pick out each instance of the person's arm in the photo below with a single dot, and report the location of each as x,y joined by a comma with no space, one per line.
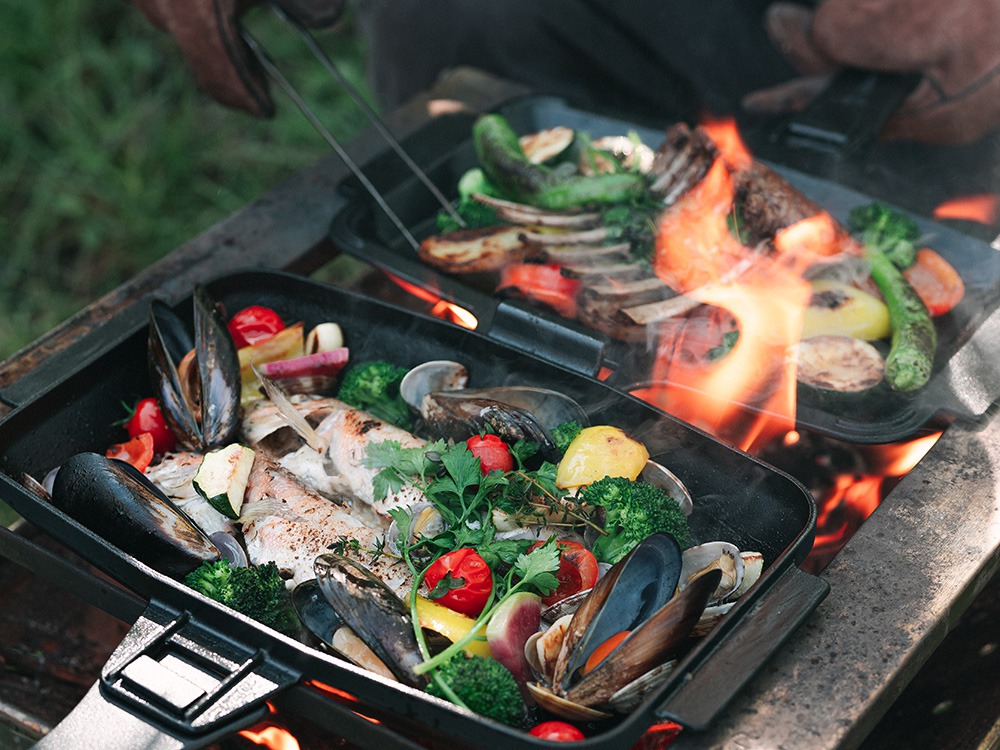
207,32
955,44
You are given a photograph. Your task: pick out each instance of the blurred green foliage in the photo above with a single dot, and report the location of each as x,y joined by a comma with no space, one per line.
110,157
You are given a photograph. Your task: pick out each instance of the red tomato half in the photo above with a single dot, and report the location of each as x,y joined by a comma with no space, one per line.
542,282
577,571
935,281
254,324
557,731
470,597
138,451
492,452
147,417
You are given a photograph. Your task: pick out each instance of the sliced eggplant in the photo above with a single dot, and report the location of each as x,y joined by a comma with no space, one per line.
222,478
839,309
838,370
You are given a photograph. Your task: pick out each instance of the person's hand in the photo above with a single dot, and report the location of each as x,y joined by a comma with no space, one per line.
209,37
955,44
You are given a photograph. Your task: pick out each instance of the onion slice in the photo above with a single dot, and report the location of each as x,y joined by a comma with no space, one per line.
295,420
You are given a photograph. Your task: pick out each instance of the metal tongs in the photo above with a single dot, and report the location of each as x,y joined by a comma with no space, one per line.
279,78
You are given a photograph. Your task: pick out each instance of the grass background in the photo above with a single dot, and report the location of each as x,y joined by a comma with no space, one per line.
110,157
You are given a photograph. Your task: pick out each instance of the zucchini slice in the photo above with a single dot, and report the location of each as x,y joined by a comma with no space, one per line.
547,146
222,478
838,368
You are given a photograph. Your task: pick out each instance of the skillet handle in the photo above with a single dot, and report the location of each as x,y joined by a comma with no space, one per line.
171,684
763,629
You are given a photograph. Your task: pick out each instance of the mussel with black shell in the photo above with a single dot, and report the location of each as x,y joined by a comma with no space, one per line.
119,504
196,380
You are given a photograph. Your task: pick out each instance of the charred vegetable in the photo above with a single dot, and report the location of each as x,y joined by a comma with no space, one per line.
914,339
222,478
505,164
837,366
838,309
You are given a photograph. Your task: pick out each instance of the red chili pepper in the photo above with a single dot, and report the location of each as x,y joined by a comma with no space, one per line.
542,282
557,731
147,417
935,281
138,451
577,570
254,324
469,577
492,452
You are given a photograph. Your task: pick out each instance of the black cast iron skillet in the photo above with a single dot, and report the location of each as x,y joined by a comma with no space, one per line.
148,695
964,382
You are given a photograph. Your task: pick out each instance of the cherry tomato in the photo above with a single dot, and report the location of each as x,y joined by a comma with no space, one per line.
147,417
577,570
138,451
935,281
471,594
254,324
542,282
556,731
492,452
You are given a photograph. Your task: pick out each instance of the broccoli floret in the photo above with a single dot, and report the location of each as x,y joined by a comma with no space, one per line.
633,511
564,433
888,230
374,387
484,685
258,592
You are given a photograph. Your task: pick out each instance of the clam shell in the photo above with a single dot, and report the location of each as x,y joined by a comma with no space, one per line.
753,568
660,476
721,556
560,706
628,698
428,377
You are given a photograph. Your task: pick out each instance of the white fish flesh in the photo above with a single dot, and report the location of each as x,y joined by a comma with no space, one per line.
283,521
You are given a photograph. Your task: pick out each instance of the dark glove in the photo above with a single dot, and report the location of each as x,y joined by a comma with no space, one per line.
955,44
209,37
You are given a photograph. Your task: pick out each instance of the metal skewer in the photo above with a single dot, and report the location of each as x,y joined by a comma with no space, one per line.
294,95
363,105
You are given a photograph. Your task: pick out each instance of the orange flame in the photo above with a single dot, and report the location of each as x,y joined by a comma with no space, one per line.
273,737
984,208
854,497
725,135
441,308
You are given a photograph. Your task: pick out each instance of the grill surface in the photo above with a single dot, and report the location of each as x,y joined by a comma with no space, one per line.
897,587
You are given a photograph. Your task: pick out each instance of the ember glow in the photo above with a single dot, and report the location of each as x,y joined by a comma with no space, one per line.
855,496
440,308
984,208
273,737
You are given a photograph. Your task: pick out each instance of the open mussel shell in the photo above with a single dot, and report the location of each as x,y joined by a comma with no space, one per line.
118,504
623,599
321,619
512,412
373,612
209,418
647,646
429,377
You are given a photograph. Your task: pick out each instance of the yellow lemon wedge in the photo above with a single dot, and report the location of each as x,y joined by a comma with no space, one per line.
598,452
452,625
